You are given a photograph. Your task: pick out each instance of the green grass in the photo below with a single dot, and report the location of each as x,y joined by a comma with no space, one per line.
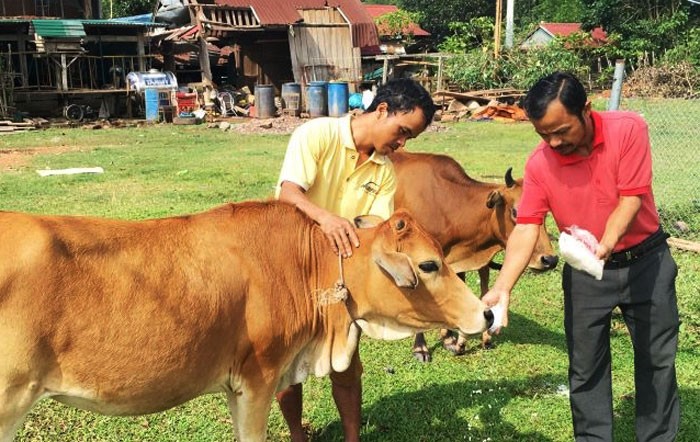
510,393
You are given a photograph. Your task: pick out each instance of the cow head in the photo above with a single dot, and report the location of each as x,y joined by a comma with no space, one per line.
504,203
403,285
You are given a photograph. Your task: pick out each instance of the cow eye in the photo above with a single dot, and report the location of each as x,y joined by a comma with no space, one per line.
429,266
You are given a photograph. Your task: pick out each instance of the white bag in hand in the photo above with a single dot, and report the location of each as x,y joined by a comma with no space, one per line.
578,249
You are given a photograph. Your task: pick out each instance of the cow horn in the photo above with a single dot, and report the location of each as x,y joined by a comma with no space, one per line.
398,266
510,182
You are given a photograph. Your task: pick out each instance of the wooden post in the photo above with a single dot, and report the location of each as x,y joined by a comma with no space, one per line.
385,70
439,73
141,51
22,46
64,73
204,61
497,29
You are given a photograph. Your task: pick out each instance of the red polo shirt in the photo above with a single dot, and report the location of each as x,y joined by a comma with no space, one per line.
584,191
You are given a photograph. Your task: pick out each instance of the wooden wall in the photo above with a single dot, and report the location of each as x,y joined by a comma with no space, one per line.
321,48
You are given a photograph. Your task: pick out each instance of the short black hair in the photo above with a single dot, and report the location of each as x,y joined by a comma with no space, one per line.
404,95
558,85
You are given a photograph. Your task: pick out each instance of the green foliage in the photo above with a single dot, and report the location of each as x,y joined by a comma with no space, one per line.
643,29
466,36
556,11
397,24
125,8
478,69
437,15
687,51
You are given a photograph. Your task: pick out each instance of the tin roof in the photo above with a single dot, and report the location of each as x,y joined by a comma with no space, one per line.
564,29
283,13
376,11
59,28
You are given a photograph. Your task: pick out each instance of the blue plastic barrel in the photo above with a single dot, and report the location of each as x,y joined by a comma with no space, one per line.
317,98
265,101
151,98
337,98
291,98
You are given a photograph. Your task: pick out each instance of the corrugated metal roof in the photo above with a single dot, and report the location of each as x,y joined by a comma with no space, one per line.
59,28
282,13
564,29
124,23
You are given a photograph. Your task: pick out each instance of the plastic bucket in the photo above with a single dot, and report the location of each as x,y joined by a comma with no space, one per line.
291,98
317,98
264,101
151,98
337,98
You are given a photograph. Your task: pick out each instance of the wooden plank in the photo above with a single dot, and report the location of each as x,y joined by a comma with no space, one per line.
684,244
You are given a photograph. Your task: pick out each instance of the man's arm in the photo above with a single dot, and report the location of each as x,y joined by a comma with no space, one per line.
521,244
618,223
339,231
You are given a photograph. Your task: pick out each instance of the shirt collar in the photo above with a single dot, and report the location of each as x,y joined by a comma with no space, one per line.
598,142
349,143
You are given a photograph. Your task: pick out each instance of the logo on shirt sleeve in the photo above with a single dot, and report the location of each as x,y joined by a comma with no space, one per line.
371,187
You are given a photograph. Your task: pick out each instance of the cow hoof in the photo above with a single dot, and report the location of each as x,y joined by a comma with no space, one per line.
421,354
451,343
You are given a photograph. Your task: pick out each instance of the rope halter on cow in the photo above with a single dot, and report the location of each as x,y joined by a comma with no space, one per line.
339,292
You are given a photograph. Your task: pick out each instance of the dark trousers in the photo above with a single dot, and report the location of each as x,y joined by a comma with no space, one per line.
645,292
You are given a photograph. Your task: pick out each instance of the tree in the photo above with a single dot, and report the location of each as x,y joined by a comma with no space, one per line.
125,8
553,11
644,26
438,14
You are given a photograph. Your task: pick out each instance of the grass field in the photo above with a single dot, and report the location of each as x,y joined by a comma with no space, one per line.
515,392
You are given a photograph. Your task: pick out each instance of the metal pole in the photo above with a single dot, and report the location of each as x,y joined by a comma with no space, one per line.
616,92
510,7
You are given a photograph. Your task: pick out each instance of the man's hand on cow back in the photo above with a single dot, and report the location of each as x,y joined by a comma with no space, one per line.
498,298
340,232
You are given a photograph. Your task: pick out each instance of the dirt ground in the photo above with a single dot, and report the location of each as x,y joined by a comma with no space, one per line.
284,124
13,159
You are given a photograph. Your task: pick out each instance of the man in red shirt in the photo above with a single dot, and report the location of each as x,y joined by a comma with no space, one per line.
593,170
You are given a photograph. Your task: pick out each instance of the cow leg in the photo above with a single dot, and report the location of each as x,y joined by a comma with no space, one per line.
484,286
16,399
250,410
452,341
420,349
290,402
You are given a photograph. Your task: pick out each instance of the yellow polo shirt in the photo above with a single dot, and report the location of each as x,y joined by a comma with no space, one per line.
321,158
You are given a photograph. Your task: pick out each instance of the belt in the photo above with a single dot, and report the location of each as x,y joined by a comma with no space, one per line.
626,257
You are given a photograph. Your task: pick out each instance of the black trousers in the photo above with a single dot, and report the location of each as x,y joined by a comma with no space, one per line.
645,292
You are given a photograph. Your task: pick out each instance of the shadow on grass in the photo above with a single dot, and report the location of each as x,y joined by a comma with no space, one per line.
442,413
690,417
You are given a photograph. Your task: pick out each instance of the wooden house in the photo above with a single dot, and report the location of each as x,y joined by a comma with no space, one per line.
272,41
57,52
547,32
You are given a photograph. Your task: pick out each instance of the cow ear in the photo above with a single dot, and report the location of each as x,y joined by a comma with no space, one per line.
367,221
494,199
398,265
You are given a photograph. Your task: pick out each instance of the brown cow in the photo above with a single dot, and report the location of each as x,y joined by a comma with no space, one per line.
470,219
125,318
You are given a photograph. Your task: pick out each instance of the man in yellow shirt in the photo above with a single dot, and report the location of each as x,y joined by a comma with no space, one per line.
334,170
